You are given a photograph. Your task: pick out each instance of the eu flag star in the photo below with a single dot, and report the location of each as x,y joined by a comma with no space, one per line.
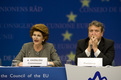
85,3
71,56
71,17
67,36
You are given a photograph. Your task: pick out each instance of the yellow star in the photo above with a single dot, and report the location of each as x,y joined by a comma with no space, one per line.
71,17
85,3
67,36
71,56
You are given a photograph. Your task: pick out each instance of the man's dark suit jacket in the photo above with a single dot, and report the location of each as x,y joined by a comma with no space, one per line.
106,46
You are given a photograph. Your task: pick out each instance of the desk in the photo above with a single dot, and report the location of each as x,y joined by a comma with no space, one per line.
93,73
32,73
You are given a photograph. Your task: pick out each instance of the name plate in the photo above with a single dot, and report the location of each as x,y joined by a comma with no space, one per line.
35,61
89,62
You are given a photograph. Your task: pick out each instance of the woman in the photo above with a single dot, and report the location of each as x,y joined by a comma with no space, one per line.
39,47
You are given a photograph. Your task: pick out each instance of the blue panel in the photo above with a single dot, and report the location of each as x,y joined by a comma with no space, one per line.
32,73
18,16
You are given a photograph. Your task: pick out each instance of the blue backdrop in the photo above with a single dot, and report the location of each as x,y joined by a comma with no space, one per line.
67,21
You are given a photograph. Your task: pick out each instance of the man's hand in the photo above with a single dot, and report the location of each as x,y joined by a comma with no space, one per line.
94,42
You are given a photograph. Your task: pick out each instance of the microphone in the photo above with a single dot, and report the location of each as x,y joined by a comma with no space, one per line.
91,50
90,46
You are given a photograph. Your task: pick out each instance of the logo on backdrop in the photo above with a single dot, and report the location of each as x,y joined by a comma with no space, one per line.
97,74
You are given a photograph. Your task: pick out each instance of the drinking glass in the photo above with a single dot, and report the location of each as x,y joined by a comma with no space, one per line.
14,63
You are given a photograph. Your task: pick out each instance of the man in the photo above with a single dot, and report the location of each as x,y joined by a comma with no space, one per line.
102,47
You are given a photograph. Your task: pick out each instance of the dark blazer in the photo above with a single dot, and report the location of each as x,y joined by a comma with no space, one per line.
106,46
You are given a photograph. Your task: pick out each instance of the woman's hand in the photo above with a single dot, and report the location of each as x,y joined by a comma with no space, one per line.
51,63
20,64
